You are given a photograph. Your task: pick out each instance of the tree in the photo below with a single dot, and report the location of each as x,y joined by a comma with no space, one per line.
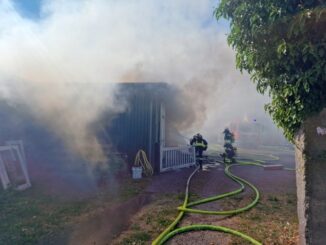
282,45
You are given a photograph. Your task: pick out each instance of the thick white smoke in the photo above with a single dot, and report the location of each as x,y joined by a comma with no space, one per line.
105,42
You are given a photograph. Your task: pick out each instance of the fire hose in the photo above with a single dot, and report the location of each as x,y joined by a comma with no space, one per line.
142,161
172,231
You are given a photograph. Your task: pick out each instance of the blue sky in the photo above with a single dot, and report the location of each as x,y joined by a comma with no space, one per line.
31,9
28,8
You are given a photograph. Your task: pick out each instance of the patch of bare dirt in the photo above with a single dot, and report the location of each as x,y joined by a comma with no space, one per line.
107,224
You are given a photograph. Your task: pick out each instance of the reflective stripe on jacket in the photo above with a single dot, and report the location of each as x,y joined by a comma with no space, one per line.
199,144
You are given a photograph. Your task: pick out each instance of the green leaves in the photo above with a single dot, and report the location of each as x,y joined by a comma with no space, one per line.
321,52
281,49
282,45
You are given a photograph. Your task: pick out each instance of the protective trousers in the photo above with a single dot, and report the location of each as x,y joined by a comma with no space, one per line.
199,157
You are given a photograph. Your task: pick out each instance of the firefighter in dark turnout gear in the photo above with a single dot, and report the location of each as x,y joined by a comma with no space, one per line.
200,145
230,150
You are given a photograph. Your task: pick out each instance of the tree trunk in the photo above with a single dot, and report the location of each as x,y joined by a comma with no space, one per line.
311,179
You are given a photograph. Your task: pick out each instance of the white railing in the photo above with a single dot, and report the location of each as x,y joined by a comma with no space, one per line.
177,157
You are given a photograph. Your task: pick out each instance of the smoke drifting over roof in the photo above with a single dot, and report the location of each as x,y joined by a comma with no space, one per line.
105,42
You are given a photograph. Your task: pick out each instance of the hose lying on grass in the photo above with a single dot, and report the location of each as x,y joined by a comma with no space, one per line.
170,231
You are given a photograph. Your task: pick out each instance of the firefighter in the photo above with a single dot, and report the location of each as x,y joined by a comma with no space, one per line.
200,145
230,150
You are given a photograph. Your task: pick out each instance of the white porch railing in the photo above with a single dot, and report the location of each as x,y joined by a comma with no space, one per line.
177,157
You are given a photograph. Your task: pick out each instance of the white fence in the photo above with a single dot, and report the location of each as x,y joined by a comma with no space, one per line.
177,157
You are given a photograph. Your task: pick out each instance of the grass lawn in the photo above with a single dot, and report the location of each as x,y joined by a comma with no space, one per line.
273,221
151,220
28,216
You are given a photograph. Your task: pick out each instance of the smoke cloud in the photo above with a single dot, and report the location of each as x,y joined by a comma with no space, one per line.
63,65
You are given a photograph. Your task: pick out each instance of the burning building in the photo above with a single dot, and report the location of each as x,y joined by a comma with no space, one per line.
147,123
148,119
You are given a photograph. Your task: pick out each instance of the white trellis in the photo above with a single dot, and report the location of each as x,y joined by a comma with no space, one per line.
13,169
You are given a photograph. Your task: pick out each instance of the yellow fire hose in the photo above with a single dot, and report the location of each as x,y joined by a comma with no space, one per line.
171,231
142,161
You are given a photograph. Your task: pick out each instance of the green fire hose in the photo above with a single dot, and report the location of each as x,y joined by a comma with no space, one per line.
171,231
